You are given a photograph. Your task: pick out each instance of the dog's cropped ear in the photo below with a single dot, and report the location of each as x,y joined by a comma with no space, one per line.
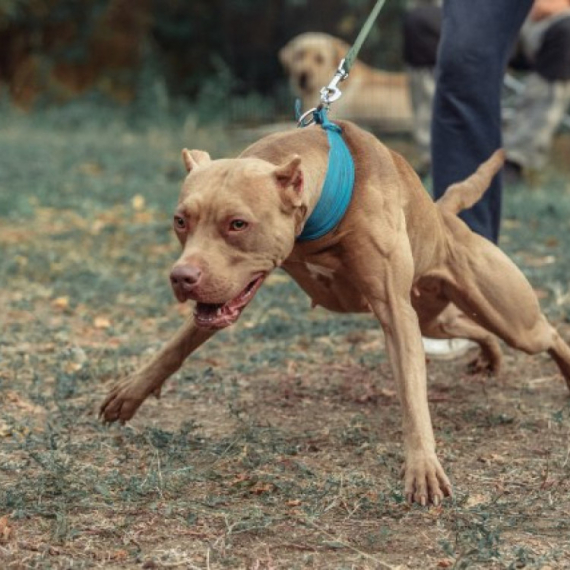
194,158
289,177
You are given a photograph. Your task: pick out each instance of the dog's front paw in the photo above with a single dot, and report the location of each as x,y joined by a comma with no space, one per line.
424,480
124,400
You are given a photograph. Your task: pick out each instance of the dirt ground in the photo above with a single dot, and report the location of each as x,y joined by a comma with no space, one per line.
278,445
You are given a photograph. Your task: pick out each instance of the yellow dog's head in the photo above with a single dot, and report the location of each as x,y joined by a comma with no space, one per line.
310,61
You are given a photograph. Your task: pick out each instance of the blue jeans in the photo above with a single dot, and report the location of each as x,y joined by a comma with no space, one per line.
476,42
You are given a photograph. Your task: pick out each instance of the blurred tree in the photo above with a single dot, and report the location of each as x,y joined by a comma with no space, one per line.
58,49
55,50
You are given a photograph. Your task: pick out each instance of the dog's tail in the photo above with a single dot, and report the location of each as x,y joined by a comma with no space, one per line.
463,195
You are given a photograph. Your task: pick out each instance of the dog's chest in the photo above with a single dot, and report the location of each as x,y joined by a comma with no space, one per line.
327,286
319,273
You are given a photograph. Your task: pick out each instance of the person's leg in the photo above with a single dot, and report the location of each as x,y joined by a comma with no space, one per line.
476,41
421,31
542,104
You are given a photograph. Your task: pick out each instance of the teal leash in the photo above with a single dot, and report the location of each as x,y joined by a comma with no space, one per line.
352,53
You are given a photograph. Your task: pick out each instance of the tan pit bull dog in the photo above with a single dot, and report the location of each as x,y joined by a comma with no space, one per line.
411,262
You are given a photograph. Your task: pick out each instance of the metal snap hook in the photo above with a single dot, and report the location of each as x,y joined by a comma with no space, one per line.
330,94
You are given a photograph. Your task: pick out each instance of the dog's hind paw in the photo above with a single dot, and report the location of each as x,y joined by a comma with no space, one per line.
488,361
479,365
425,481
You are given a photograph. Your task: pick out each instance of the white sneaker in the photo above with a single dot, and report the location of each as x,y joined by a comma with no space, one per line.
446,348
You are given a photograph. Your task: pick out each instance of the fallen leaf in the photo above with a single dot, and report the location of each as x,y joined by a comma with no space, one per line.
260,488
374,345
5,431
539,261
24,405
101,323
60,302
474,500
90,168
71,367
492,458
291,368
120,555
143,217
6,531
138,202
243,481
97,226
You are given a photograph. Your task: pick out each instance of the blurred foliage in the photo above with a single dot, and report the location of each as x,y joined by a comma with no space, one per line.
156,51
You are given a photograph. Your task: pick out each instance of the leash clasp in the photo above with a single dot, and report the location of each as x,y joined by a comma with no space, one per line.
331,92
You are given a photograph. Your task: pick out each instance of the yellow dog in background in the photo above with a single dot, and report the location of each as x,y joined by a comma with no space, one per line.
370,96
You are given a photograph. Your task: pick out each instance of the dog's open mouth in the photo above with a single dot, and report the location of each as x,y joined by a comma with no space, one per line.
221,315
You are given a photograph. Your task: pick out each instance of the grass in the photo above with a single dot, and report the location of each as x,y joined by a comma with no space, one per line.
278,445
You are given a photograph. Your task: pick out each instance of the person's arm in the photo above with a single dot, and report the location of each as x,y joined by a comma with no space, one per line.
545,8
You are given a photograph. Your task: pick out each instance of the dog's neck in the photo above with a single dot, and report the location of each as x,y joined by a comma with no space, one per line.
327,203
313,180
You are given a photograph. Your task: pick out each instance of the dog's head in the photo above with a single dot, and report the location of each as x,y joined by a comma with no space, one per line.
310,61
236,220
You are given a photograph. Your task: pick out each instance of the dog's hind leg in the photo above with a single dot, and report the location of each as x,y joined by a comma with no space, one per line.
441,319
454,323
125,397
491,290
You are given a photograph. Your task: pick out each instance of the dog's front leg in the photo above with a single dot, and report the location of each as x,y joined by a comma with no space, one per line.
125,398
424,478
388,287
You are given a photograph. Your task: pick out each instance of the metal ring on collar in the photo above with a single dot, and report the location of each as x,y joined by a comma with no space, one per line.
307,118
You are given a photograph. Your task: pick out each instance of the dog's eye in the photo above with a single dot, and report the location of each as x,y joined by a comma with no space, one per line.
238,225
319,59
179,223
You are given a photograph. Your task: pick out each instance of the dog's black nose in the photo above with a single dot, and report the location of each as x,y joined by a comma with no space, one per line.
303,80
185,276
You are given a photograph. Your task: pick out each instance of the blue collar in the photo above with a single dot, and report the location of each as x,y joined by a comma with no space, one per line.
337,188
